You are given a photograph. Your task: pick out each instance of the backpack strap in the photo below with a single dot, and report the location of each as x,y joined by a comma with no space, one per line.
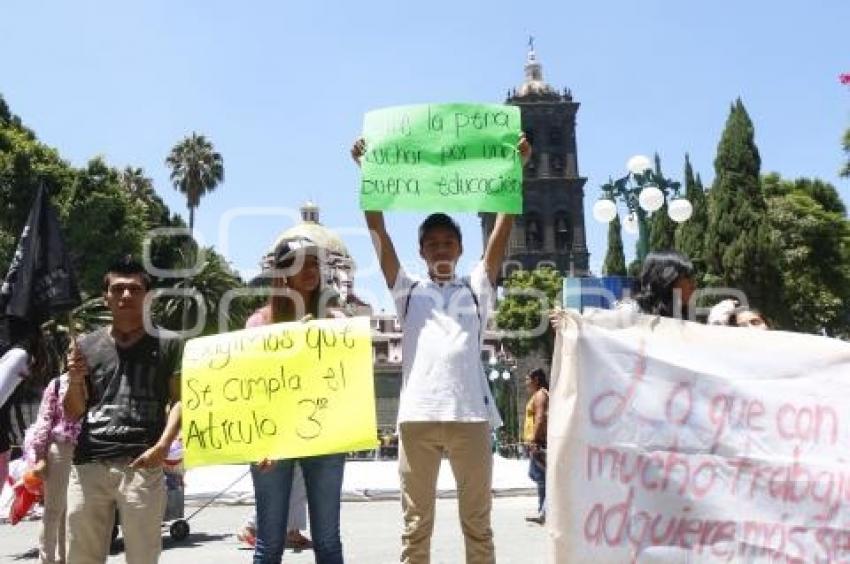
477,307
474,298
407,299
466,284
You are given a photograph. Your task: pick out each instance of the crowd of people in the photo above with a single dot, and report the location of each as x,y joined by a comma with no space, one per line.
105,426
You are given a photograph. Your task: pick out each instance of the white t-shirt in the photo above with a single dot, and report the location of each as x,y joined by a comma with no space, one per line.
442,331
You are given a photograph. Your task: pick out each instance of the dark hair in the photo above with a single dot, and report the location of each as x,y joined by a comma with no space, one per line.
539,376
14,331
320,301
733,317
437,220
127,266
660,273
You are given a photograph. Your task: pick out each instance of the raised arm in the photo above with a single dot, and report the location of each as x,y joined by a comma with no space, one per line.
74,402
497,244
375,222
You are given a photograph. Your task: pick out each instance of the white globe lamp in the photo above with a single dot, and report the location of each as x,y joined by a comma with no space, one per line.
680,210
638,164
604,210
651,198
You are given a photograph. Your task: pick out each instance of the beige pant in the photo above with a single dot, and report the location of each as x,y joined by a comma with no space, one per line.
95,490
467,445
51,545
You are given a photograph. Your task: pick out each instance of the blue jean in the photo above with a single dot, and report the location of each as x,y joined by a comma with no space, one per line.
537,472
323,480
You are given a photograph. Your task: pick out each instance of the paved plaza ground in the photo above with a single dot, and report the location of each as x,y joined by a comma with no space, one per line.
370,531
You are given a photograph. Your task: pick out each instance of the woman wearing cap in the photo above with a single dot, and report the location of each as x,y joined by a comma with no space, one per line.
297,293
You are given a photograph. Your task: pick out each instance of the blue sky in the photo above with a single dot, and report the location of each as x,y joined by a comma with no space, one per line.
280,88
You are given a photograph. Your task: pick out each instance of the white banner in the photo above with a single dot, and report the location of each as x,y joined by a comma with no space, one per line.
671,441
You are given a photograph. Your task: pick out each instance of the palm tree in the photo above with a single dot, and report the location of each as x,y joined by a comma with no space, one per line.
135,182
214,280
139,187
196,169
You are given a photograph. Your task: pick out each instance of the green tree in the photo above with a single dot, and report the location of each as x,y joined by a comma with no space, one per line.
662,229
739,249
107,213
690,235
165,251
615,259
24,164
100,221
524,311
214,280
103,223
845,170
809,223
196,169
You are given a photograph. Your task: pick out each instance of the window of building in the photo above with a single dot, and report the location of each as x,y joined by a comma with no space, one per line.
381,351
533,232
556,163
563,239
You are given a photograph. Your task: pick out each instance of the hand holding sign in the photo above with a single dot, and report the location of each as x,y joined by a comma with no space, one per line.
450,157
279,391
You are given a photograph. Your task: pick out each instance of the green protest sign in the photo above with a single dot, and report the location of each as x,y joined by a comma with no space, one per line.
442,157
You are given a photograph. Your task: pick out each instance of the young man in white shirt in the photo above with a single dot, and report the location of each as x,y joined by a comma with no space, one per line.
445,402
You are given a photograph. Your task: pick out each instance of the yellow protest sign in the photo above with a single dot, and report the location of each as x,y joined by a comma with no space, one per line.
279,391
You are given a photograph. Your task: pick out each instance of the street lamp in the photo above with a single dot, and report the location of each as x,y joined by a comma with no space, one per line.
504,391
643,190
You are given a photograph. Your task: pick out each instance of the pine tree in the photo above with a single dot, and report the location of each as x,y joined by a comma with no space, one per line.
739,251
662,229
690,235
615,259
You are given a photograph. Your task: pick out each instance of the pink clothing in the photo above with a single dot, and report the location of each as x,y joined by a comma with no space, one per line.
51,424
262,316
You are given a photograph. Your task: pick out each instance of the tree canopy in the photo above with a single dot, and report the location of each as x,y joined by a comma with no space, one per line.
524,311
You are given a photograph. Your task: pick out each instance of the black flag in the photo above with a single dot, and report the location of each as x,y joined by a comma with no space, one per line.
40,282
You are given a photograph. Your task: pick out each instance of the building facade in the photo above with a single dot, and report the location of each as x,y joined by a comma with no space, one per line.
551,230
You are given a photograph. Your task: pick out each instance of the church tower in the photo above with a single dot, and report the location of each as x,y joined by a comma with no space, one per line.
551,230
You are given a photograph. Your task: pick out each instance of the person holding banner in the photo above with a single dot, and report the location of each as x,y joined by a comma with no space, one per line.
120,380
666,285
731,313
749,318
297,293
445,404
